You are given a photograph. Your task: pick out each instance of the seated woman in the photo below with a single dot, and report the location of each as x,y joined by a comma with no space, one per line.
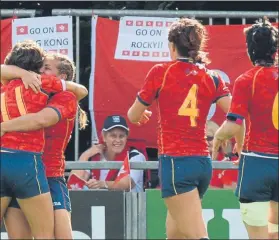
114,148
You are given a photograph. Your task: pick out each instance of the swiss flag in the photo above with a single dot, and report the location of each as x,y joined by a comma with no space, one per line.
168,24
155,54
159,24
145,54
62,27
126,53
139,23
21,30
149,23
125,169
63,51
129,23
165,54
135,53
75,182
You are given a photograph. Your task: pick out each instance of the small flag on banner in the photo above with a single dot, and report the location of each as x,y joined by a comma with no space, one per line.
149,23
129,23
159,24
22,30
63,27
125,170
155,54
165,54
52,51
135,53
145,54
126,53
139,23
168,24
63,51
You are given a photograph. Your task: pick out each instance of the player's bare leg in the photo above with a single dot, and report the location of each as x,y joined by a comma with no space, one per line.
62,224
5,201
16,224
39,214
172,230
273,221
256,232
186,210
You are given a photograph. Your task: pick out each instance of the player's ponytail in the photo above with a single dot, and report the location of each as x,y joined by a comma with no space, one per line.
262,43
189,37
82,117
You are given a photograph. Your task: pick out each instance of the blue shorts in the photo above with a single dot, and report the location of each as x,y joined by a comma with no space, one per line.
22,174
258,177
183,174
59,194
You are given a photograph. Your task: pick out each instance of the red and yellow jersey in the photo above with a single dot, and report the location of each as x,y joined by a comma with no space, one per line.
255,96
17,101
184,93
58,136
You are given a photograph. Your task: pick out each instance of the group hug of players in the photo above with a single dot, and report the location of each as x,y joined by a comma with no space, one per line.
39,102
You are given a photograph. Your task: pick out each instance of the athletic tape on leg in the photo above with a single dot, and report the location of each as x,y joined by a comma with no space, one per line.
255,213
272,228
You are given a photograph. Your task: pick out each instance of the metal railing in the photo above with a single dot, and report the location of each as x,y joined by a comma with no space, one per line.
20,12
169,13
70,165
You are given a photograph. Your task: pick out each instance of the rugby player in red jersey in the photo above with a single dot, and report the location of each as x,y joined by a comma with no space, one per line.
255,95
58,120
22,171
184,91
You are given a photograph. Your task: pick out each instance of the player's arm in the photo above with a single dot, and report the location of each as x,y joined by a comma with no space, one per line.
224,103
52,84
33,80
61,106
222,95
84,157
31,122
30,79
79,90
138,113
124,184
234,126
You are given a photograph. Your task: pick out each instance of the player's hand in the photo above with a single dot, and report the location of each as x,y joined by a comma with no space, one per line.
236,162
95,149
95,184
144,118
217,143
237,149
2,131
32,80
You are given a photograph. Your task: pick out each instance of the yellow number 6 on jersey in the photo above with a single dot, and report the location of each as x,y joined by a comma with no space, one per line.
189,106
275,112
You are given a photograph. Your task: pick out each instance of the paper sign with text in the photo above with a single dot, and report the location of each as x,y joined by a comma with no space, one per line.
143,39
53,34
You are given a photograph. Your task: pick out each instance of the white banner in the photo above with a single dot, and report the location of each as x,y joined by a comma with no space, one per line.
143,39
54,34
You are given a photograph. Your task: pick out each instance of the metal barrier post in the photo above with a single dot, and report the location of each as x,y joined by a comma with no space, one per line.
142,215
77,81
128,215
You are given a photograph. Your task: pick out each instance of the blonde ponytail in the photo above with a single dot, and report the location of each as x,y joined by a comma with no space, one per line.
82,117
